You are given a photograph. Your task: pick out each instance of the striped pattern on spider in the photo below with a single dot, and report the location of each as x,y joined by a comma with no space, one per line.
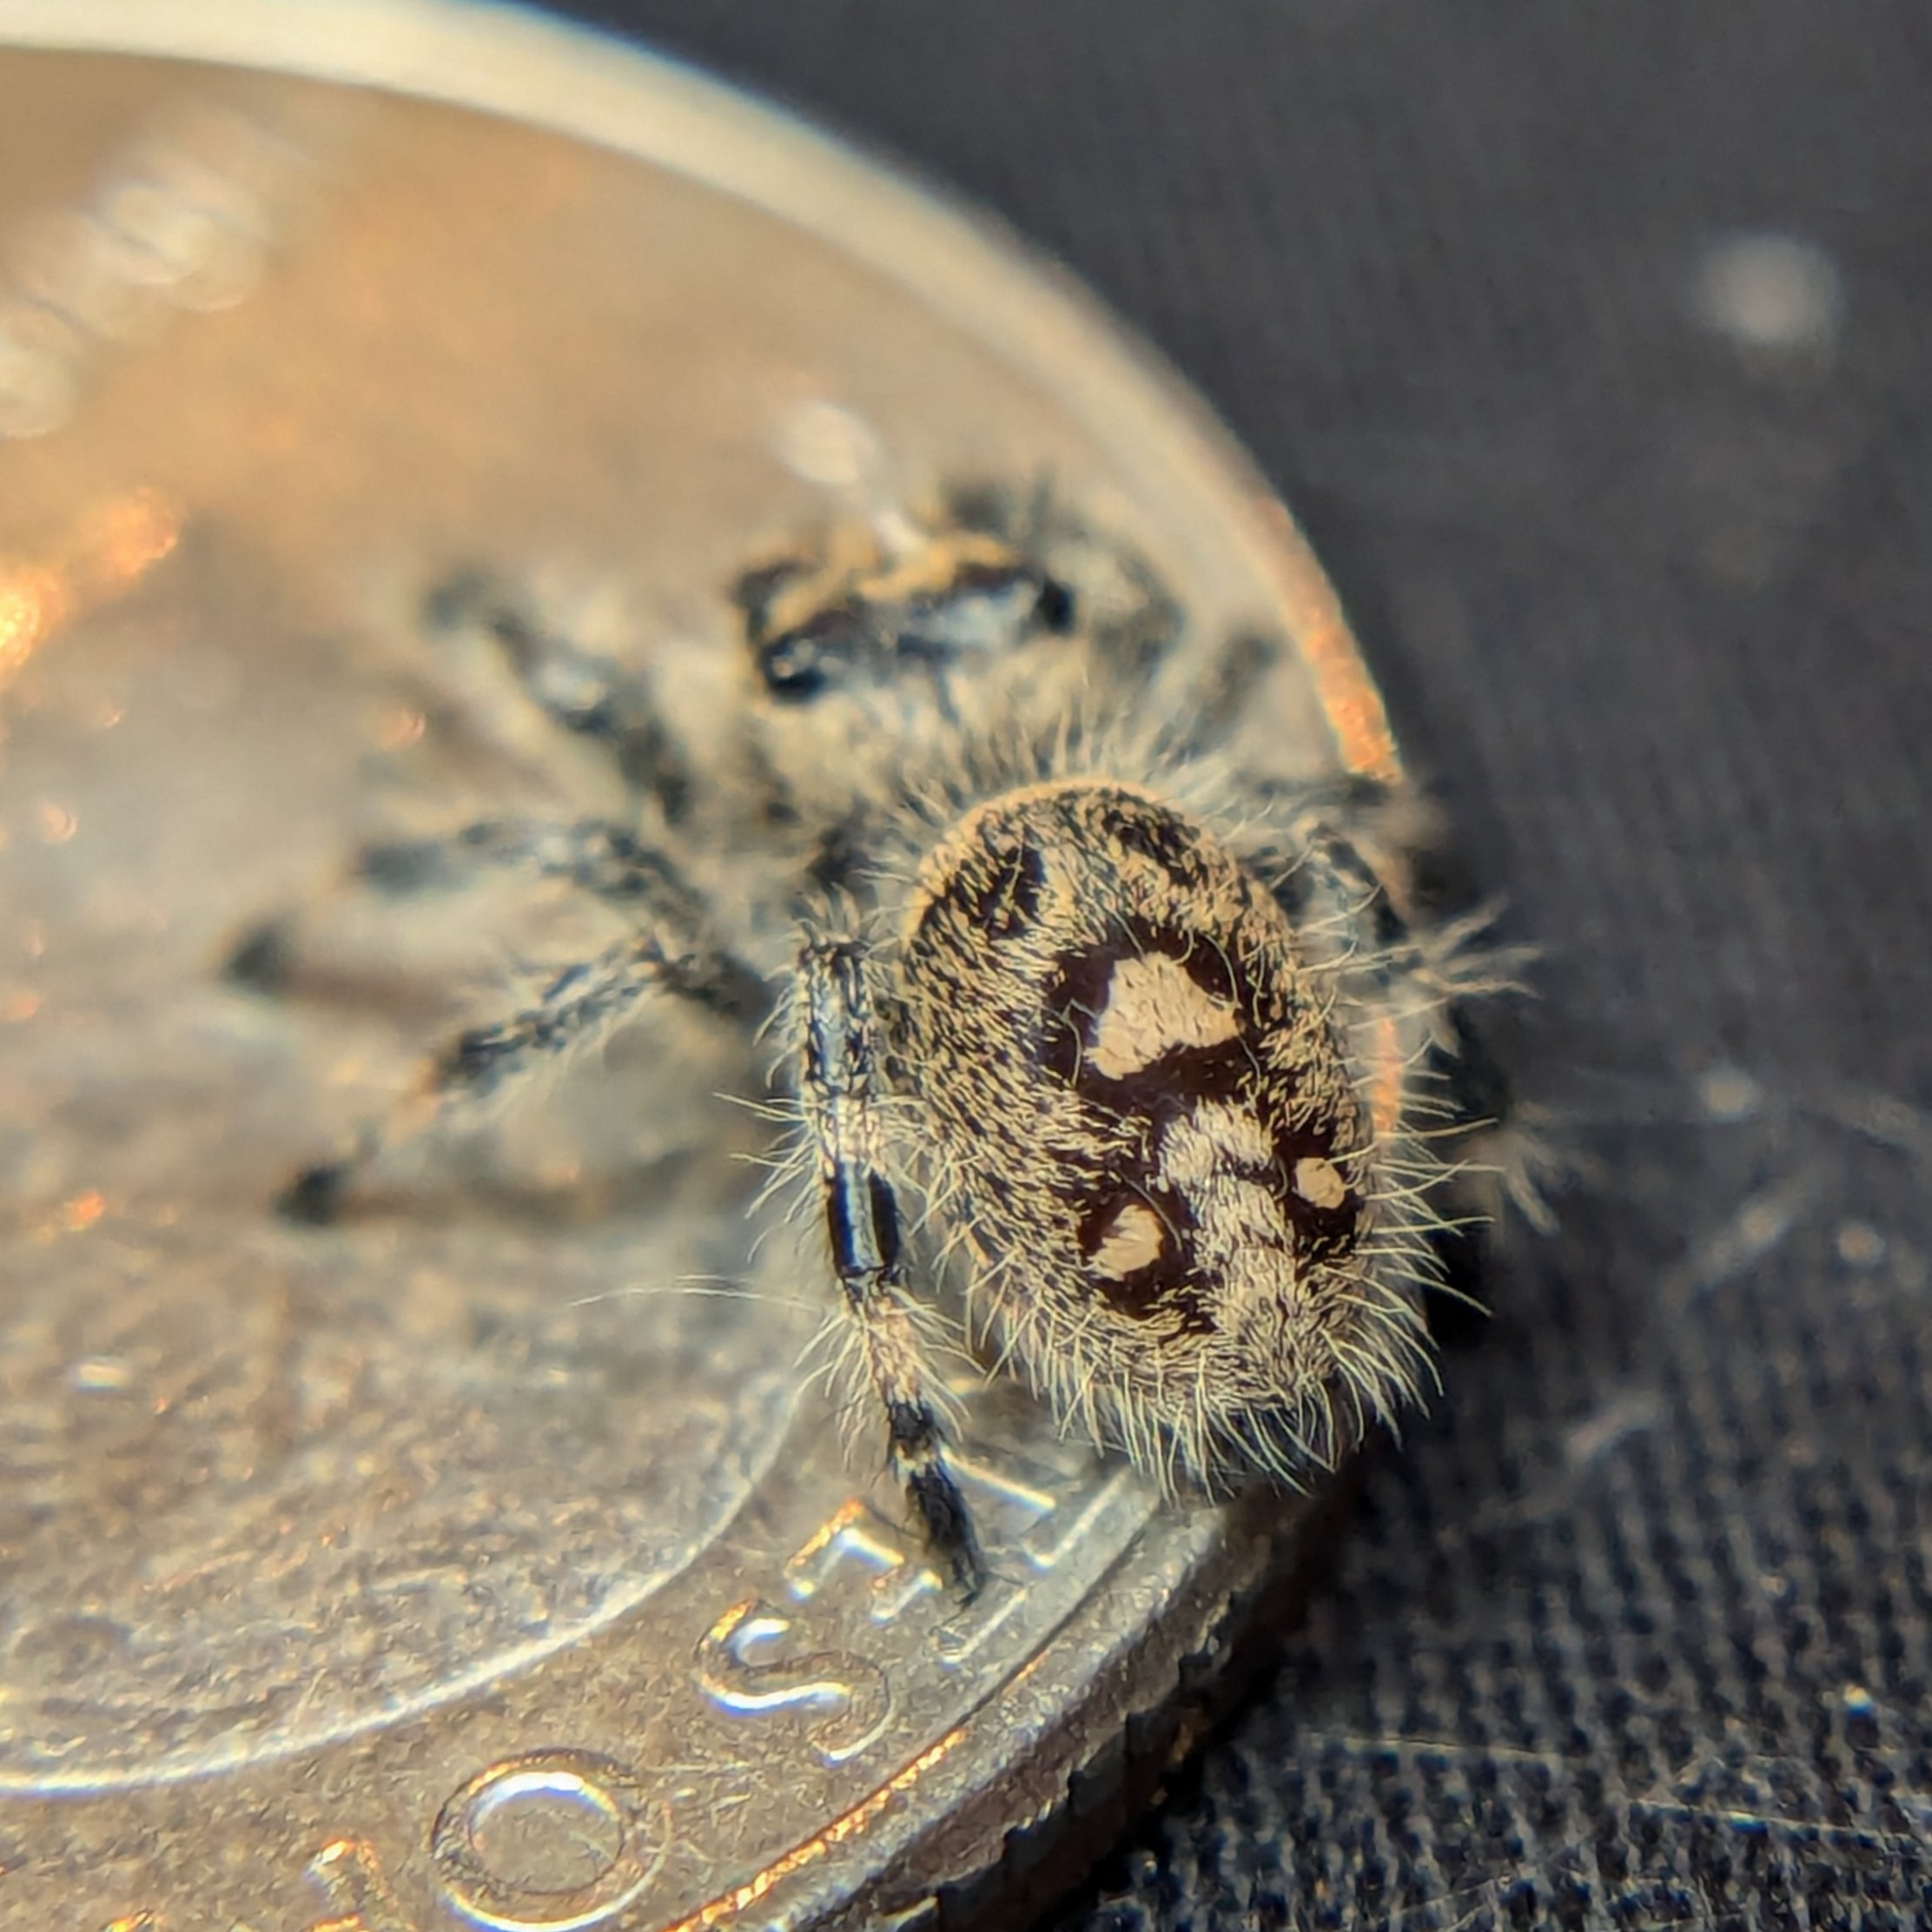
1147,1061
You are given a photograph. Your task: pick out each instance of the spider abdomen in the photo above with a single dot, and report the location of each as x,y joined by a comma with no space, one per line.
1133,1088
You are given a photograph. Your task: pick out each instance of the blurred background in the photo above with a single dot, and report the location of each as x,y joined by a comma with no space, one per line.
1591,346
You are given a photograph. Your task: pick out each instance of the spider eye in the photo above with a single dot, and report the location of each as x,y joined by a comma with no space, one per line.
1053,610
801,663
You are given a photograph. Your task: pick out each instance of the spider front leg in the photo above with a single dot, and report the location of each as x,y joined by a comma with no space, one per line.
841,1092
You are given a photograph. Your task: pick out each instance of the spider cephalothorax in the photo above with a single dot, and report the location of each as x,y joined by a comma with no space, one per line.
1129,1045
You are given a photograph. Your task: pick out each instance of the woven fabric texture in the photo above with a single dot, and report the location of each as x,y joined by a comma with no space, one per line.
1593,346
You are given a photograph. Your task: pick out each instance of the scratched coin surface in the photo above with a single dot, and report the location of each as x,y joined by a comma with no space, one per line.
486,1563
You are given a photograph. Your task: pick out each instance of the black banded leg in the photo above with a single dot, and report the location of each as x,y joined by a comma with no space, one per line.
1414,912
842,1089
568,1010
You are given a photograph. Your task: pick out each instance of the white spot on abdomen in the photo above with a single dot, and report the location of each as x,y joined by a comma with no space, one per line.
1153,1008
1134,1239
1319,1182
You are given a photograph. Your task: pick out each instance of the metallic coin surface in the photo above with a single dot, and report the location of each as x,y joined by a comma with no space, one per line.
500,1568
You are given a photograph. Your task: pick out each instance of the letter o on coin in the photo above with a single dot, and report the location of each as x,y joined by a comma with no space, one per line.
551,1839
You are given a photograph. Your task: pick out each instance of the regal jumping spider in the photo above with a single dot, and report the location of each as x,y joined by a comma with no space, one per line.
1154,1052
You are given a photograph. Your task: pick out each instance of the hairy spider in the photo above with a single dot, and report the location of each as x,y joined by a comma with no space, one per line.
1150,1051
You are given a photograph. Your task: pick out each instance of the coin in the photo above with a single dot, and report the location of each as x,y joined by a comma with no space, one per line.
471,1564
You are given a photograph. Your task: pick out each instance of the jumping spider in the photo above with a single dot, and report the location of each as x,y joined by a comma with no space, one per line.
1164,1048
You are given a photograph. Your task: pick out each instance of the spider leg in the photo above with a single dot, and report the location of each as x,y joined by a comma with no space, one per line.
1370,863
598,856
1205,704
566,1008
840,1089
1364,856
589,696
604,860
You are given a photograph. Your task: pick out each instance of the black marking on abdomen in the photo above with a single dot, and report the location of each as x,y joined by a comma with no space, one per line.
1136,1109
1078,997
